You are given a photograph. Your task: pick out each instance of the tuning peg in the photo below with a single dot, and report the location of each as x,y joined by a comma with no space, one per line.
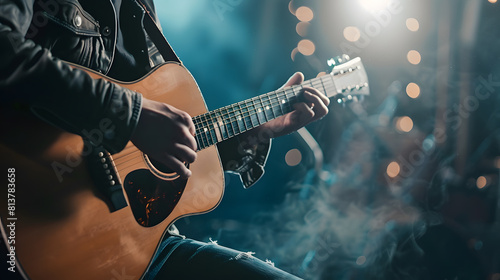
345,57
332,62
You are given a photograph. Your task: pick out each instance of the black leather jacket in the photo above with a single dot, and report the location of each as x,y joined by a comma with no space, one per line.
36,34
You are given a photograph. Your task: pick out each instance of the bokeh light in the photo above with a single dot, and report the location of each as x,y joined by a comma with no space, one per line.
304,13
306,47
412,24
393,169
414,57
302,28
413,90
492,1
293,157
481,182
291,7
295,51
361,260
404,124
352,33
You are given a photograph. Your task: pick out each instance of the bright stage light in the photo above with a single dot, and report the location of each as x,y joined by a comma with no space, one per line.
374,5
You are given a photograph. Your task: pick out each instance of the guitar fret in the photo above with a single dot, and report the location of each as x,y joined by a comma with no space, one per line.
236,126
281,102
271,106
232,120
238,117
199,137
275,104
247,115
218,127
203,130
265,108
211,130
215,126
222,126
203,134
262,109
255,113
226,118
322,85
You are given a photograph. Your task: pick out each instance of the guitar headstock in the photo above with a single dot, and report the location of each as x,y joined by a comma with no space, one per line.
349,77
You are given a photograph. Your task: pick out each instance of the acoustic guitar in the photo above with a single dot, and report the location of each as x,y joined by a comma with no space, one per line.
71,210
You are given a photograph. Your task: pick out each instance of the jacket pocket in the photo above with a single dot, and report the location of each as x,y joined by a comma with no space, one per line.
73,17
70,33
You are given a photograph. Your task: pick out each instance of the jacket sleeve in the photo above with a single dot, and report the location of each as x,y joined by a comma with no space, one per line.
54,91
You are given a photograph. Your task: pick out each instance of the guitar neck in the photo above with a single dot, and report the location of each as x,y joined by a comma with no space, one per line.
346,79
224,123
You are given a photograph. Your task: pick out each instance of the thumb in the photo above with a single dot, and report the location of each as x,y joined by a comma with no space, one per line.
295,79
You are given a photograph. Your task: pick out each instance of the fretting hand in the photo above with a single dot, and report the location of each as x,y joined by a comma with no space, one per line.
314,108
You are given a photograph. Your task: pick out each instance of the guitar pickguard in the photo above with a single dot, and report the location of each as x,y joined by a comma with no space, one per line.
151,198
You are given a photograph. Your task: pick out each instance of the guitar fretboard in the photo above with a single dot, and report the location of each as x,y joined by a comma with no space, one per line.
224,123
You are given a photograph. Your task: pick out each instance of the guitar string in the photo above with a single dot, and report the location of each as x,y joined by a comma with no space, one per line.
119,160
253,102
205,137
272,105
284,93
312,82
258,103
274,102
250,110
208,120
226,116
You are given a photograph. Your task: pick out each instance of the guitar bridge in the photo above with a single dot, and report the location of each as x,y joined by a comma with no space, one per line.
103,173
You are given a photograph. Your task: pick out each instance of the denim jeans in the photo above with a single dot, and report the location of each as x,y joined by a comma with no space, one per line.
180,258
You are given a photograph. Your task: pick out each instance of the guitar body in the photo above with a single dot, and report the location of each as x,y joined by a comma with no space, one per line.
64,227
